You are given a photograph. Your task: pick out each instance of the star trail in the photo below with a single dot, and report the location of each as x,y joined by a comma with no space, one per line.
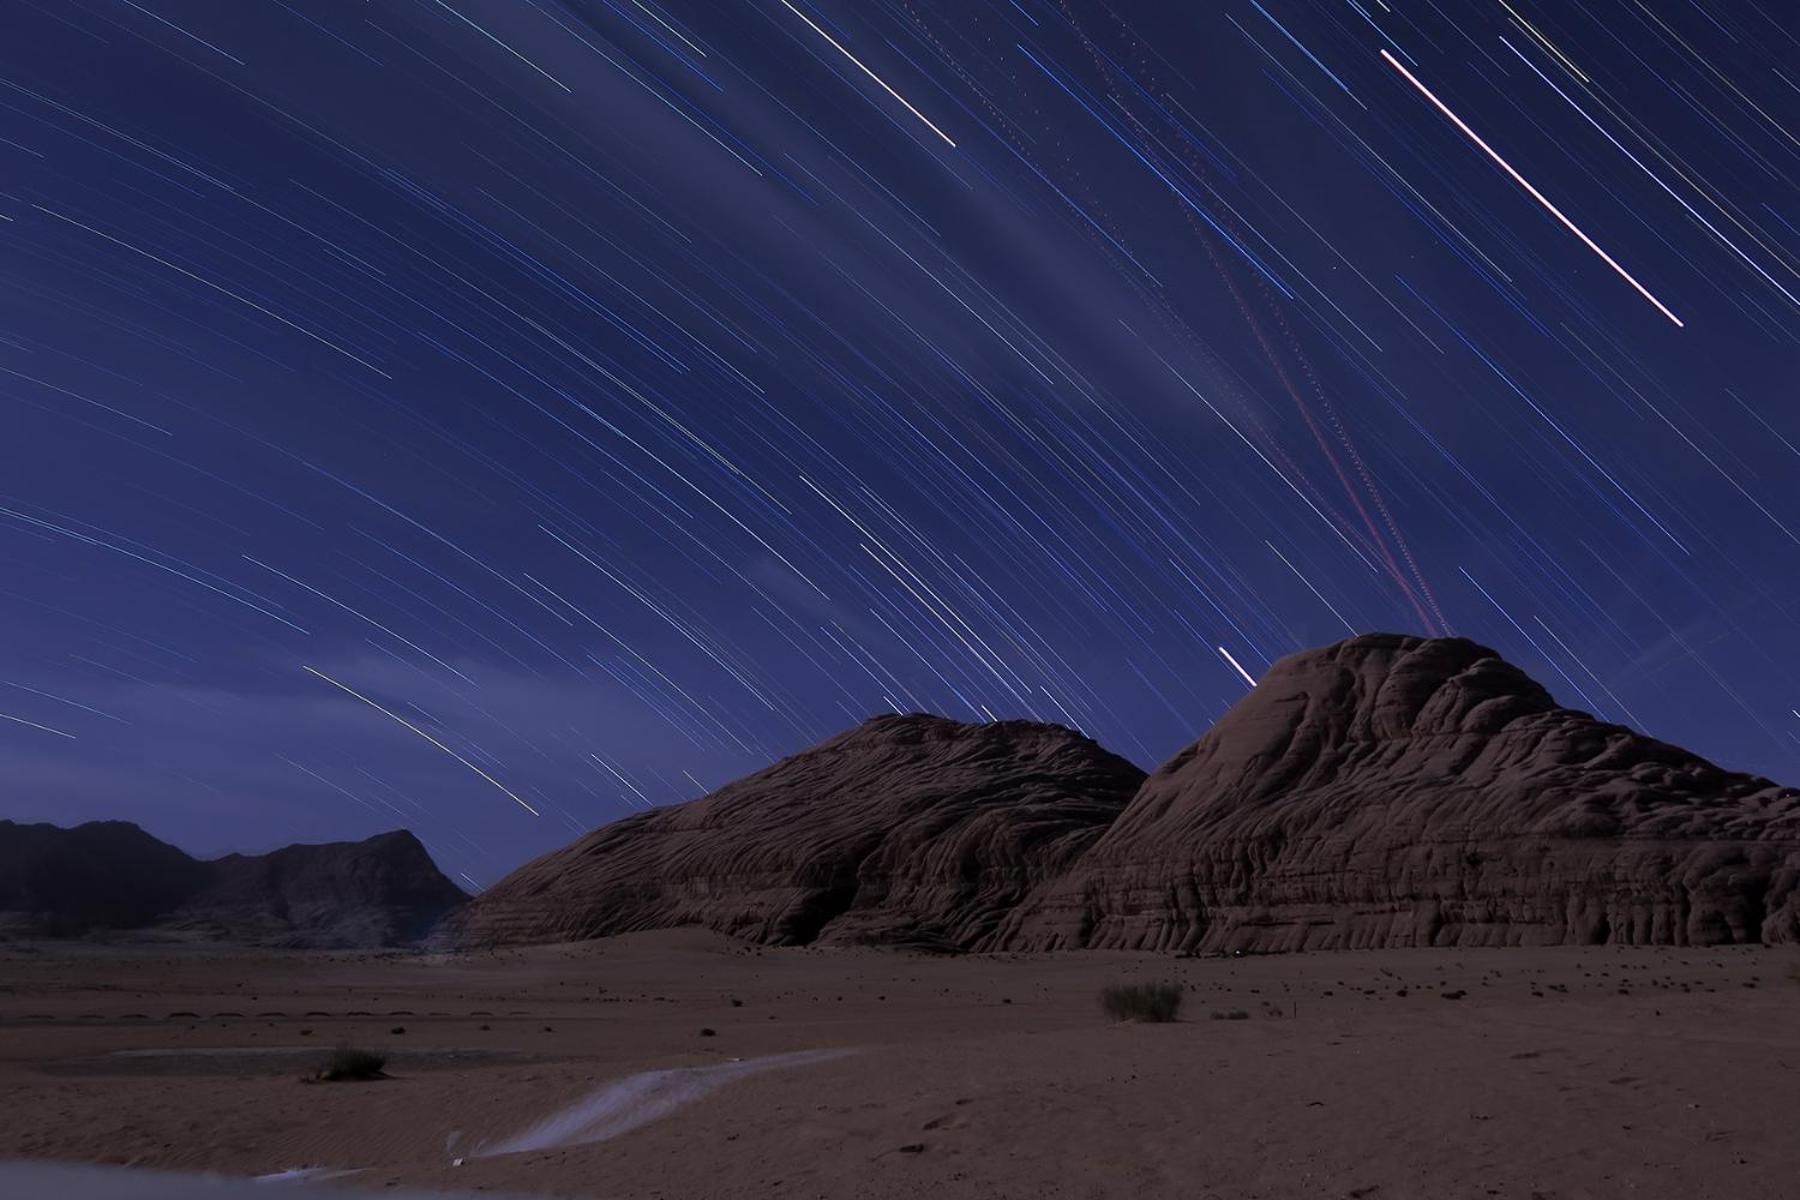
494,417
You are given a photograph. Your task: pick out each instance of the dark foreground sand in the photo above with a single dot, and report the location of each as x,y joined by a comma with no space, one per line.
1554,1074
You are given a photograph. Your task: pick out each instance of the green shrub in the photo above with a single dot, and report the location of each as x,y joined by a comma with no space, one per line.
1153,1002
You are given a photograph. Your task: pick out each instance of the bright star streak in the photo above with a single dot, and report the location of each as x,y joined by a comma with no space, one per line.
1535,194
872,75
35,725
1309,587
447,750
1238,667
490,37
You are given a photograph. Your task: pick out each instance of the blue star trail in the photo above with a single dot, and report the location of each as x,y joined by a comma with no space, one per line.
496,416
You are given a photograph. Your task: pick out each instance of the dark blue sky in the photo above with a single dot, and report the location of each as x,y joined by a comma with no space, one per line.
493,416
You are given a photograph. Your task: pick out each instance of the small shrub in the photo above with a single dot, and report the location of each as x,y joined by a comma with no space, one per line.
1153,1002
347,1064
1235,1014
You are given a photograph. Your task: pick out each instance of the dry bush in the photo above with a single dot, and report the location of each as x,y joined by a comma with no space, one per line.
1152,1002
348,1064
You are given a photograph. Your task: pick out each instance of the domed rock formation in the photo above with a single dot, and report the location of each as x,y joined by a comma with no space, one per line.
110,876
1393,790
907,829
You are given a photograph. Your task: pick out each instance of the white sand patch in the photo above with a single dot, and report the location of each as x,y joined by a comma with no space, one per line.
625,1104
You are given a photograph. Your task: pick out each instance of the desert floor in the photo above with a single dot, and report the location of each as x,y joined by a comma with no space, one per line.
1437,1074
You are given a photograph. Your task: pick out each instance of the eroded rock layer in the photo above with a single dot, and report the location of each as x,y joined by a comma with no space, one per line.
906,829
1392,790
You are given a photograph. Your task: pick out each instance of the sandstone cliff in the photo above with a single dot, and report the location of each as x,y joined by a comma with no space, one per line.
907,829
1392,790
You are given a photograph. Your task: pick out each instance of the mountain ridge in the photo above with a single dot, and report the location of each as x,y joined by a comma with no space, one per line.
105,877
1385,790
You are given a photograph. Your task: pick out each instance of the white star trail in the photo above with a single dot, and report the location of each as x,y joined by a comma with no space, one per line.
618,394
393,716
1526,184
35,725
1237,666
836,45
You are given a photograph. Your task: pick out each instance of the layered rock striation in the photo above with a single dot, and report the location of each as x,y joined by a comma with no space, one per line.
907,829
1399,791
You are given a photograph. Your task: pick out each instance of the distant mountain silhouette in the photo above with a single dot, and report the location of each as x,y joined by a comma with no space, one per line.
111,876
1386,790
105,874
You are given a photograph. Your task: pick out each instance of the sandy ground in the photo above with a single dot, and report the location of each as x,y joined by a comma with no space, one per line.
1525,1074
67,1181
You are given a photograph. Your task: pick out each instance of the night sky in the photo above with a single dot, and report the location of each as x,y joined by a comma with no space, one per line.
495,416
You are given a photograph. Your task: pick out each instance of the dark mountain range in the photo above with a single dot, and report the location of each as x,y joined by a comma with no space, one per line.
110,876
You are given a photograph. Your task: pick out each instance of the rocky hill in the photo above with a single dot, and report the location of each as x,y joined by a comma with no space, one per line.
1383,791
909,829
112,876
1398,791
